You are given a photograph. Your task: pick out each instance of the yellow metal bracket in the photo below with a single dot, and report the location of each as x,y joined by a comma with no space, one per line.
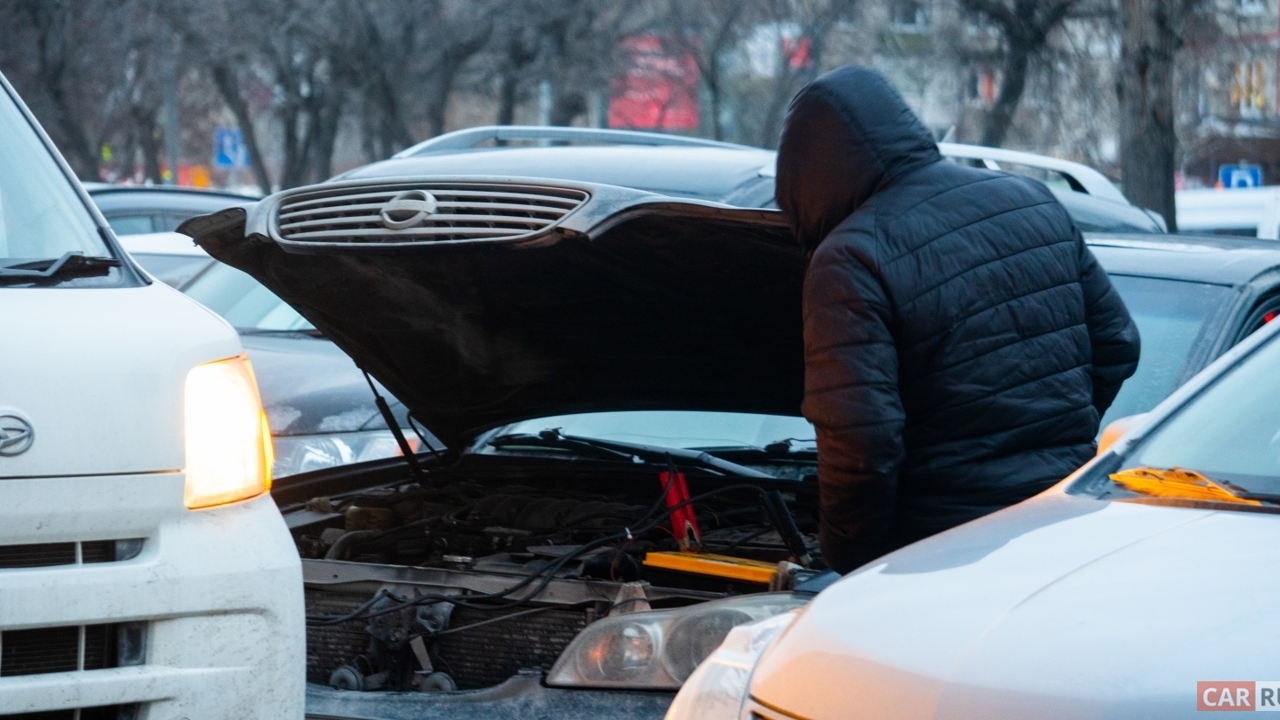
723,566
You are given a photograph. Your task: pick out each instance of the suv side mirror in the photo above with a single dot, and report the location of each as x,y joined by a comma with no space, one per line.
1116,429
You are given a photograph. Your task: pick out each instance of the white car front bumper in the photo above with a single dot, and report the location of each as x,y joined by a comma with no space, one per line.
217,594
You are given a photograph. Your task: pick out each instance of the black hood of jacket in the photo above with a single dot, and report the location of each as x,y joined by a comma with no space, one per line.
847,134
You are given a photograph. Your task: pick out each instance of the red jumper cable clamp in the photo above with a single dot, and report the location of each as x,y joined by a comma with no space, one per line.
684,523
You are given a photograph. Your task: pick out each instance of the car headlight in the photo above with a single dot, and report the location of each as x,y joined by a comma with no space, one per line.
720,686
658,649
304,453
228,443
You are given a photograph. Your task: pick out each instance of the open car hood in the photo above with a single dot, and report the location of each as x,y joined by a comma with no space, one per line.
509,299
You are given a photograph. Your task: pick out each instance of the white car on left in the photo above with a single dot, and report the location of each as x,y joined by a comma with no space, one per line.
145,572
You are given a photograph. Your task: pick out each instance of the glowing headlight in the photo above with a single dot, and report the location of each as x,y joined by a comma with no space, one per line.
304,453
658,649
228,444
719,687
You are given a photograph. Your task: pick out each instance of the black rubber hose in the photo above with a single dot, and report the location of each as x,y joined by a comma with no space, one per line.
340,546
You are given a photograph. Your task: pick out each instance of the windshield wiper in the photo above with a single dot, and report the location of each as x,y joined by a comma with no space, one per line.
47,270
628,452
1185,484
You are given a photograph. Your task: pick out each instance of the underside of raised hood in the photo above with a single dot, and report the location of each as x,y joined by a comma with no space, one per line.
631,303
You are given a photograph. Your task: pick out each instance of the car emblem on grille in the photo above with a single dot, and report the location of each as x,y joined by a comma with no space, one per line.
408,209
16,435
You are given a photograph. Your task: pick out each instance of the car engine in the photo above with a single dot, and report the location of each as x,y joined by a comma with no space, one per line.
471,577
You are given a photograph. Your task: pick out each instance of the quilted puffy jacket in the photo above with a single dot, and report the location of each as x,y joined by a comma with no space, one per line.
961,341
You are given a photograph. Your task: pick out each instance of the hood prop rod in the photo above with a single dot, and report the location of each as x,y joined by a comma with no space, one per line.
385,410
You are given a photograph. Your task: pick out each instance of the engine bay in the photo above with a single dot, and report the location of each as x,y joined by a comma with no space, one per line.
469,575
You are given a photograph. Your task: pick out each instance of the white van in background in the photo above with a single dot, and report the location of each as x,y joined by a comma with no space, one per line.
145,573
1243,212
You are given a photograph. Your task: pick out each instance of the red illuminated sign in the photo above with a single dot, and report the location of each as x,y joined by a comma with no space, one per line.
658,91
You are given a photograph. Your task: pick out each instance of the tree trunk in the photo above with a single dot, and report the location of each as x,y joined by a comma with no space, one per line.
76,146
294,137
145,122
518,57
1012,84
328,118
507,99
395,129
1148,140
712,81
567,107
438,106
446,74
229,88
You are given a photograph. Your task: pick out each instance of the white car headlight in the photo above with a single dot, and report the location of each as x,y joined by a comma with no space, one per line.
304,453
228,444
719,687
659,649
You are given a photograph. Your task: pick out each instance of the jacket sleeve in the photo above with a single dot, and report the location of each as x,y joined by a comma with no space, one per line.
851,397
1112,332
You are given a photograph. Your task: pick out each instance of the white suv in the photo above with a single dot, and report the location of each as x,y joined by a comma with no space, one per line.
144,570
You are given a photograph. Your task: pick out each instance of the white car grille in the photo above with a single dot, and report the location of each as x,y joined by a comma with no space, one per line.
423,212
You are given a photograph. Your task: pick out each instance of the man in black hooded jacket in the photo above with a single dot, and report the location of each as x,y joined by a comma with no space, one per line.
961,341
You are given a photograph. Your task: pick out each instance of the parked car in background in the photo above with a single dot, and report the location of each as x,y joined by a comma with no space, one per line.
1193,298
708,170
1243,212
1130,590
143,217
144,569
140,209
1094,203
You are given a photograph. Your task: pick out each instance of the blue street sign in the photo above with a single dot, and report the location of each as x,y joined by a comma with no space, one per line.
1240,176
228,148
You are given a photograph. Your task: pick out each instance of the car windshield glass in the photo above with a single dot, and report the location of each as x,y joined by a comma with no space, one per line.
244,302
175,270
675,428
1172,318
41,216
1230,433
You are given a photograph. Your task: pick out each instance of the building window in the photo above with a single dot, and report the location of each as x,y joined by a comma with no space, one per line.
912,14
980,87
1249,88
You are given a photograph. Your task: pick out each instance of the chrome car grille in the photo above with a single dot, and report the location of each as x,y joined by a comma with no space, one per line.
416,212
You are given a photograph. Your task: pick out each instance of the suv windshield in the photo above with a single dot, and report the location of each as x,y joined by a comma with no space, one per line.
41,217
1230,434
244,302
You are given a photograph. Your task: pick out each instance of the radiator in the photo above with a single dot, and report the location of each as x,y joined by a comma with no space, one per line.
476,658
